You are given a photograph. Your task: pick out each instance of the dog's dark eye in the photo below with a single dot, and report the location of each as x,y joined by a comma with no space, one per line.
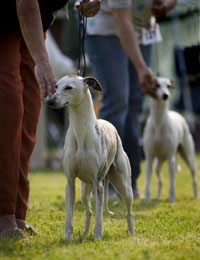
157,86
68,88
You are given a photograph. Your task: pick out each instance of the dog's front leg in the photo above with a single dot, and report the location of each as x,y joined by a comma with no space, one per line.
70,202
149,162
158,173
85,196
172,173
99,197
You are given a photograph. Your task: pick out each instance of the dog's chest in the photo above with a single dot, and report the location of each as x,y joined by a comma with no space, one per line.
84,165
161,142
90,157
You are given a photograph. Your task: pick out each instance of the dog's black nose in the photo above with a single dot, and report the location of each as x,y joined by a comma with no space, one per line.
50,102
165,96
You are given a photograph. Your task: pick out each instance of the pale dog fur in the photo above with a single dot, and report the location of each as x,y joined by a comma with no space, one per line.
93,152
166,133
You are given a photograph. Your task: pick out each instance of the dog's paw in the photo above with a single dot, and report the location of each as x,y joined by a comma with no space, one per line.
130,233
98,235
147,197
68,235
172,199
109,212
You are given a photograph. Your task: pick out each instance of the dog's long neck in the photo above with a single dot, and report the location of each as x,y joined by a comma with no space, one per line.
82,119
159,111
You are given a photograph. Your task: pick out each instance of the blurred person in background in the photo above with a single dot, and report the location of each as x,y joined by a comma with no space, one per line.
120,54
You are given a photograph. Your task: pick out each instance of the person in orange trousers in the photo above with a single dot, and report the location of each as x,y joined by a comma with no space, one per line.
23,64
25,76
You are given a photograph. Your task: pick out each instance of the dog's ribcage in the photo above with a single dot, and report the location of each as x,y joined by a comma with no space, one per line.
97,153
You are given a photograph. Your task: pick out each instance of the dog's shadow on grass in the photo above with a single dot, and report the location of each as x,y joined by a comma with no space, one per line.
143,205
117,207
79,238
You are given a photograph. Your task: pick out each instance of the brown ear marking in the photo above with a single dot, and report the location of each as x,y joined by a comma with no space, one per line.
93,83
171,84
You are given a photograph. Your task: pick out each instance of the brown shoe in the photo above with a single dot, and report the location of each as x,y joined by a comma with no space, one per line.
25,227
30,230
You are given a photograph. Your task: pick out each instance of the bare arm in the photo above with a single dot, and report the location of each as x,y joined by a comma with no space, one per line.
130,45
31,27
127,36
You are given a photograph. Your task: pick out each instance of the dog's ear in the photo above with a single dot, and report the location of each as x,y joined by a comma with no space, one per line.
170,84
93,83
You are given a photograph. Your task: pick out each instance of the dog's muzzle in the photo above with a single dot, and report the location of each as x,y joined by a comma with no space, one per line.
50,101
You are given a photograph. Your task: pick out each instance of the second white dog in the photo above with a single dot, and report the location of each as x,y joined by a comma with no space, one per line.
93,152
166,133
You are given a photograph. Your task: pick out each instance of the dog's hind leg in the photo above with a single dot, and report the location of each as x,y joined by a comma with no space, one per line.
85,197
192,167
106,186
172,174
187,152
149,164
158,173
70,203
194,177
120,177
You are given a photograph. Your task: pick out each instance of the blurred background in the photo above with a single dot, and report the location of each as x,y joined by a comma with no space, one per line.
176,57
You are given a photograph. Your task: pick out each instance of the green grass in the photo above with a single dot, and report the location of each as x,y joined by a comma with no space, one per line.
163,230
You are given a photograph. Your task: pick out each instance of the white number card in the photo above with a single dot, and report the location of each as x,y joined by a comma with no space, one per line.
151,35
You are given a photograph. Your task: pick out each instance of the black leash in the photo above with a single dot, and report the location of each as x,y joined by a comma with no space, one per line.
157,60
82,34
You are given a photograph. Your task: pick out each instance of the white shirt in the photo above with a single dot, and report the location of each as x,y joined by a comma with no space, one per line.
103,23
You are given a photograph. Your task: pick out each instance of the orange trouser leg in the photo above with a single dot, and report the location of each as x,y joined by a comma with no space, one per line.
11,114
32,102
19,112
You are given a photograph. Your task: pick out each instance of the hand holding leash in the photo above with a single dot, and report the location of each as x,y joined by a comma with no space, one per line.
147,81
88,8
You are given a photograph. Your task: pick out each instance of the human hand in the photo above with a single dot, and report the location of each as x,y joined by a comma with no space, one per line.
88,8
147,81
160,8
45,78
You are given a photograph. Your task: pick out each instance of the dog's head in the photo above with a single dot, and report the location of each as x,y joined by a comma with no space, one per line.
163,88
71,90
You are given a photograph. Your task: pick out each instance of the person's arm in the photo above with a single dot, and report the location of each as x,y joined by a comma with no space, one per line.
31,28
160,8
130,44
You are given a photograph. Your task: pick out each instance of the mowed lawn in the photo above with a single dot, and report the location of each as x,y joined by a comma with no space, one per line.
163,230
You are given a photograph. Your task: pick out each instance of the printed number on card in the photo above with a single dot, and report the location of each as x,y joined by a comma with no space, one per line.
152,35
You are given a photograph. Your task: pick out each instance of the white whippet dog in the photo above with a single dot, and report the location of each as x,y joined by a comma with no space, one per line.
93,152
166,133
